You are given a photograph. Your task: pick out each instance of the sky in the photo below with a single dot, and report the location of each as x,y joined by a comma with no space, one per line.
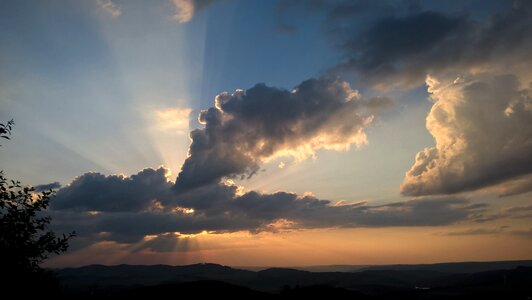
273,133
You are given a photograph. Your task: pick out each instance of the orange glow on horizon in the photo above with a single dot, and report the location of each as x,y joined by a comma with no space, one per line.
360,246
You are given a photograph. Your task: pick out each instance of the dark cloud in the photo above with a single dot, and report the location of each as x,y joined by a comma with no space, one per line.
309,211
47,187
513,212
397,43
518,186
152,213
97,192
475,231
402,49
520,209
248,127
483,133
422,212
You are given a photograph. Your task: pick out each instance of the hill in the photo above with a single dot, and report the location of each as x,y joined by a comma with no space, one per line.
438,281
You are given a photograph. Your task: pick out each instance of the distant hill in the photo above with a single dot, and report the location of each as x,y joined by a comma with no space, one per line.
455,267
407,281
458,267
126,276
322,268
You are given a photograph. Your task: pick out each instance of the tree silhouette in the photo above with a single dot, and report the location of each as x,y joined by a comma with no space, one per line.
25,241
5,129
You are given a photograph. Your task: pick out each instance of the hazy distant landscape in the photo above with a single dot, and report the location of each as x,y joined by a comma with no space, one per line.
489,280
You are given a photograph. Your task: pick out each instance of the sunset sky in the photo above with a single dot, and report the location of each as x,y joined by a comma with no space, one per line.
274,133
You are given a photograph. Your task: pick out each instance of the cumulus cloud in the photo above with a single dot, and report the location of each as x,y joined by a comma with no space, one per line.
248,127
241,131
186,9
401,49
482,126
109,7
483,134
99,193
143,207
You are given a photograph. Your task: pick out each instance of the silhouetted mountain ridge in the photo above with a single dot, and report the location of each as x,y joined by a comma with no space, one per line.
107,280
455,267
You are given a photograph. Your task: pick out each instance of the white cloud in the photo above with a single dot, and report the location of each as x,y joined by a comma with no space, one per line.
483,134
111,8
175,119
186,9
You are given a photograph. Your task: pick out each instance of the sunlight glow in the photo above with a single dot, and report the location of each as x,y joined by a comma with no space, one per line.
175,119
183,210
192,235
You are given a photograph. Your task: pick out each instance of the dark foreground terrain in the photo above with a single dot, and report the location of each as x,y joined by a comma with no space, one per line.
498,280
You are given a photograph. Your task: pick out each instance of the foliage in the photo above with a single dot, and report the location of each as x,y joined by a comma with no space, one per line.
25,241
5,129
24,238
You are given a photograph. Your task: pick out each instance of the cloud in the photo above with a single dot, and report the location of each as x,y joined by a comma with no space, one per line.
513,212
518,186
144,207
99,193
241,131
522,233
47,187
519,209
483,134
109,7
248,127
306,211
483,126
174,119
527,233
396,46
397,43
401,49
186,9
475,231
